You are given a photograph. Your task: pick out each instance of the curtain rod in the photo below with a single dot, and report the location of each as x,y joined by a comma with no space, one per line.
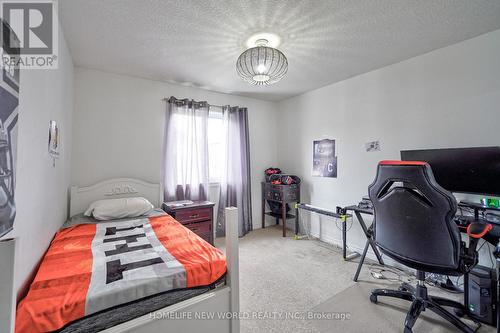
212,105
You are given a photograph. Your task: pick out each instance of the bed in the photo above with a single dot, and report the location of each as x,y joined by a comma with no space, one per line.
193,284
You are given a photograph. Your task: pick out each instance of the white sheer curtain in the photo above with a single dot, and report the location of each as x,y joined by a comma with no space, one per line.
185,158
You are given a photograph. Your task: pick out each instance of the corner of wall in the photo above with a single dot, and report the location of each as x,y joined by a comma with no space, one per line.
42,189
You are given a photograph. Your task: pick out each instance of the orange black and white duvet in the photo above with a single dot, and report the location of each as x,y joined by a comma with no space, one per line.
92,267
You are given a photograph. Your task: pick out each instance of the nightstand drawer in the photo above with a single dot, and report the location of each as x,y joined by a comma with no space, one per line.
291,196
273,195
200,228
196,216
193,215
286,193
209,237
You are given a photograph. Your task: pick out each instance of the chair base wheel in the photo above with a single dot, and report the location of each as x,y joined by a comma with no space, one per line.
420,301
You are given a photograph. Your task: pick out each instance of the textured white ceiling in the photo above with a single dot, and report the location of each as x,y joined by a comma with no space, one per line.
197,42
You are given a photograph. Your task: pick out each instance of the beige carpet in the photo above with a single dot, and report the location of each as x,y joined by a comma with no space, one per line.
387,315
283,281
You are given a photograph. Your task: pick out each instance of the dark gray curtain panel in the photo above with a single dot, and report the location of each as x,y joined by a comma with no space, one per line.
235,189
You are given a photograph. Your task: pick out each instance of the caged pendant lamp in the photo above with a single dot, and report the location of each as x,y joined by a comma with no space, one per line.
262,64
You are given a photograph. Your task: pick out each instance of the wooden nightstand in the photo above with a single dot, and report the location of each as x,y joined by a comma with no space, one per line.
198,217
281,194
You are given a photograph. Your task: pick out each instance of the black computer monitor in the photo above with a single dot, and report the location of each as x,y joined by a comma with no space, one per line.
466,170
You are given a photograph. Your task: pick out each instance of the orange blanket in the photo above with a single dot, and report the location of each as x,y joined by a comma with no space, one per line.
90,267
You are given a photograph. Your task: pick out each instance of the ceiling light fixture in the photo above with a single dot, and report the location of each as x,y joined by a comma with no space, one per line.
262,64
273,40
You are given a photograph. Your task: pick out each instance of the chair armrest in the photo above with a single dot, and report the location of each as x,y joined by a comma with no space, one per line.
475,231
478,230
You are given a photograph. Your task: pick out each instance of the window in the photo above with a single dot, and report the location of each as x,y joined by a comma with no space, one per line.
216,146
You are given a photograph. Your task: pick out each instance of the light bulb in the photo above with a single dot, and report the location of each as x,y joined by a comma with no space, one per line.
261,68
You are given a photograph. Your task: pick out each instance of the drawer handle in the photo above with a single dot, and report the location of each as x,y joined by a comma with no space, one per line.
194,216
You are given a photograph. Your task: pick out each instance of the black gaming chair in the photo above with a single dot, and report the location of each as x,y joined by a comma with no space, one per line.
414,225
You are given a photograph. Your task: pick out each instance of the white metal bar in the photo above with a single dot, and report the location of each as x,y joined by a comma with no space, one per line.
212,301
232,257
7,299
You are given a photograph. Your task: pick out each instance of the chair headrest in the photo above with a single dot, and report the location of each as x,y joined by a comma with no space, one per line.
409,163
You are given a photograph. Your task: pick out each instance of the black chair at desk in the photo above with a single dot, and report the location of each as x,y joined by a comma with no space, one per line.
414,225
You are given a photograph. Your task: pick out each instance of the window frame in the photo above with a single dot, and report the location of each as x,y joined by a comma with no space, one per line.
213,114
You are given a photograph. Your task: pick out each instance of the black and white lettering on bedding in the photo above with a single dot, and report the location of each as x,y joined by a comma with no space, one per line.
114,268
113,230
130,262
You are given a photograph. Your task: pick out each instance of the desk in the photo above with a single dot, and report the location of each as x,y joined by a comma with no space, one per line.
370,240
339,215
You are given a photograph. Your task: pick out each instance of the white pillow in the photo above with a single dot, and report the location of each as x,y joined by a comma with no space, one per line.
118,208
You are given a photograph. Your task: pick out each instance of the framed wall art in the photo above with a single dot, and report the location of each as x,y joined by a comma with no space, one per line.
324,159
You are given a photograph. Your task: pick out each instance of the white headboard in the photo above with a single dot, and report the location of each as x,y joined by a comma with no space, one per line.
82,197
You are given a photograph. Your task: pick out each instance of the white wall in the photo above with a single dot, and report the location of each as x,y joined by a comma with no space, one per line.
446,98
41,190
118,128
